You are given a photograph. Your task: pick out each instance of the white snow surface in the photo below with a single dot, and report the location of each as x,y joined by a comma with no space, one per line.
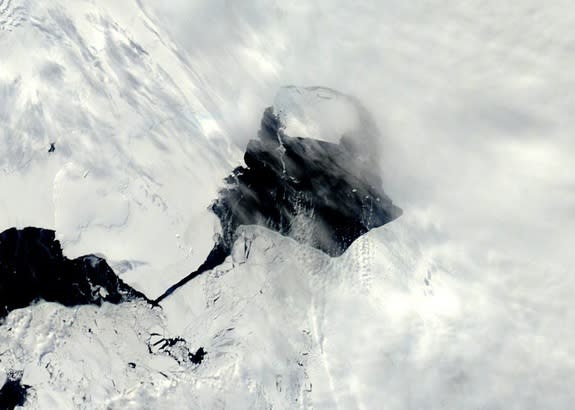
465,302
286,326
138,157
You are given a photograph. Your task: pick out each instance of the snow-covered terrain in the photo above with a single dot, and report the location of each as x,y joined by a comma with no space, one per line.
137,158
464,302
291,327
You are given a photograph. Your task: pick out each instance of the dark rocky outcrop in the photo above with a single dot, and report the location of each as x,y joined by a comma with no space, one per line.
198,357
313,191
176,348
13,393
316,192
33,268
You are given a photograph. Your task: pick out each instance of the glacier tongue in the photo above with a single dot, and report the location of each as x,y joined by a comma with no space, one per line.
323,194
274,320
285,325
118,140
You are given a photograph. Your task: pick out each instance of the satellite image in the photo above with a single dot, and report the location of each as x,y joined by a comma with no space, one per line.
264,204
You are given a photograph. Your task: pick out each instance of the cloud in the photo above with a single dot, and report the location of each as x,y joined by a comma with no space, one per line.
474,119
477,129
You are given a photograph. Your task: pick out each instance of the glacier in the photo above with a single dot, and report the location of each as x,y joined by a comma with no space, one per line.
120,121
